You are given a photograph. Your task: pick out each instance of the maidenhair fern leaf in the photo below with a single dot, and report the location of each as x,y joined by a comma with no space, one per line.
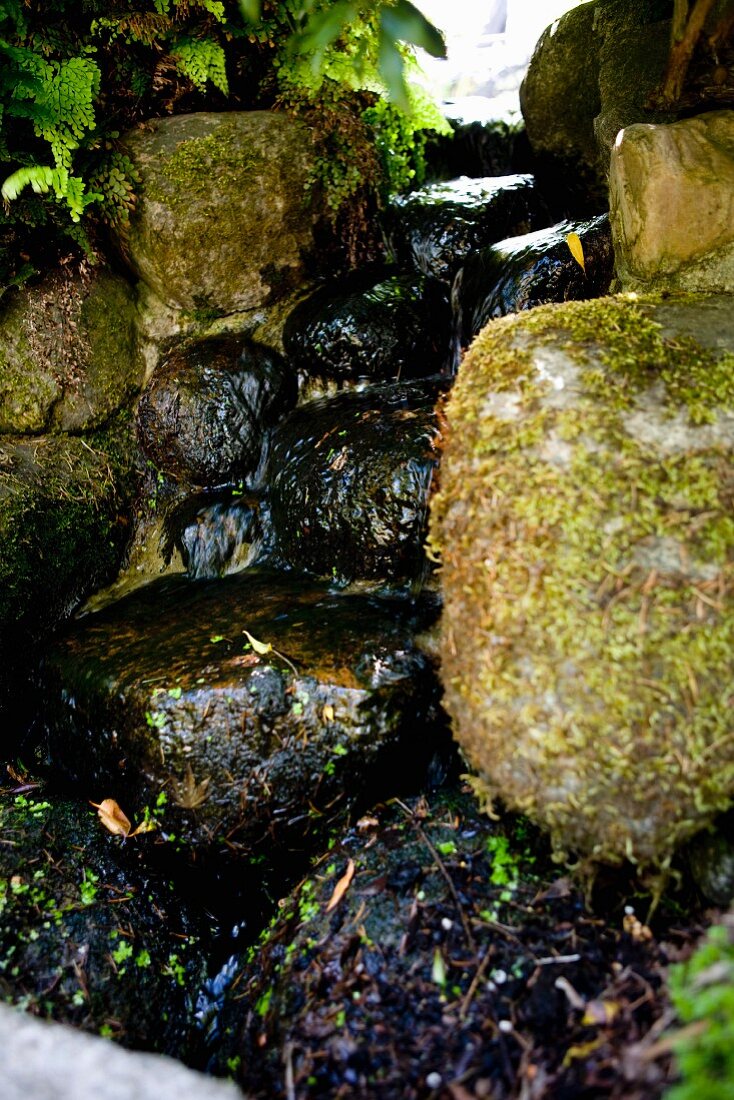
201,60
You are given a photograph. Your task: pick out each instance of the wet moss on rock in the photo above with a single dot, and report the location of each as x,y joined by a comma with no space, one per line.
585,525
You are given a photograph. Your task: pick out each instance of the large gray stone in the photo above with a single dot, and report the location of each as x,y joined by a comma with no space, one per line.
69,356
584,522
672,204
225,220
44,1061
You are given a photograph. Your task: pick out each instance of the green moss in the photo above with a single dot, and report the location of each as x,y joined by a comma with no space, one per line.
588,689
189,167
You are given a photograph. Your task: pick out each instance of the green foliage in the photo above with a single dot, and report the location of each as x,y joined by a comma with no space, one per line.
702,990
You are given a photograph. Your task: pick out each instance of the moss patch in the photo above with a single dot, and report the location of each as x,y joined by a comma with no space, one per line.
585,524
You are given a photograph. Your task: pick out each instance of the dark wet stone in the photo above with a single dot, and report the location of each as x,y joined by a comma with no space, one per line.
397,326
480,144
202,416
711,860
523,272
434,229
91,936
215,534
350,482
163,692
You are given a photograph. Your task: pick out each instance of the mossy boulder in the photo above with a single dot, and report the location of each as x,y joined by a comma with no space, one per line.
226,216
584,522
64,513
89,934
252,739
69,356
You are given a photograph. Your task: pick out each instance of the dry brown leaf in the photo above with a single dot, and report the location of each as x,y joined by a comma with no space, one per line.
112,817
341,887
187,793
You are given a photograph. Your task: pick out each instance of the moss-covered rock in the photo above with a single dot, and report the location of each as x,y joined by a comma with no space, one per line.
257,737
90,935
64,513
69,356
585,524
226,216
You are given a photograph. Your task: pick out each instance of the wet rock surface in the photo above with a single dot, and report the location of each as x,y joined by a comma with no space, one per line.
590,448
523,272
351,477
380,329
225,221
447,965
434,229
202,416
91,936
166,692
480,144
216,533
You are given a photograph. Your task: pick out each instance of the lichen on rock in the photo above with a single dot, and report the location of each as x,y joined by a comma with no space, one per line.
584,521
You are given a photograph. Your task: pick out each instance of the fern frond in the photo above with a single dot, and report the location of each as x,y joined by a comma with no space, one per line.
201,60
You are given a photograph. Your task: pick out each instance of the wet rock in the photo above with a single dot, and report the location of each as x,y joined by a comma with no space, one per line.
349,482
408,984
68,353
397,326
435,228
523,272
481,142
88,934
165,692
592,73
202,416
711,860
584,521
225,221
672,199
44,1060
64,513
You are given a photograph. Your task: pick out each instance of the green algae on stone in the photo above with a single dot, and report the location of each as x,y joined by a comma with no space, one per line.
585,525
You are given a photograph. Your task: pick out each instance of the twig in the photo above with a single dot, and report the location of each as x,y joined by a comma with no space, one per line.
469,995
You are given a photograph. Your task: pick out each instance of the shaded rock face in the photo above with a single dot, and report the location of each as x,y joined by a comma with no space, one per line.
202,416
711,862
592,74
350,479
435,228
396,327
63,508
226,218
88,934
479,145
523,272
672,204
164,692
584,521
68,353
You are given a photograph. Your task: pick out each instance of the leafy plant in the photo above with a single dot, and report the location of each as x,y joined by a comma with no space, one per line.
702,990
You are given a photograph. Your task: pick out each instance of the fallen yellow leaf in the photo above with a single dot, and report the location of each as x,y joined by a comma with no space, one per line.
327,713
112,817
577,249
599,1013
341,887
262,648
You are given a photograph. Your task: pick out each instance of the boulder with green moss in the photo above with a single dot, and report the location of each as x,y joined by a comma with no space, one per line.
584,519
69,356
226,216
64,504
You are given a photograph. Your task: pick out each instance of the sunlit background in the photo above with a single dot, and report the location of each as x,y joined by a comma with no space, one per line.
489,45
